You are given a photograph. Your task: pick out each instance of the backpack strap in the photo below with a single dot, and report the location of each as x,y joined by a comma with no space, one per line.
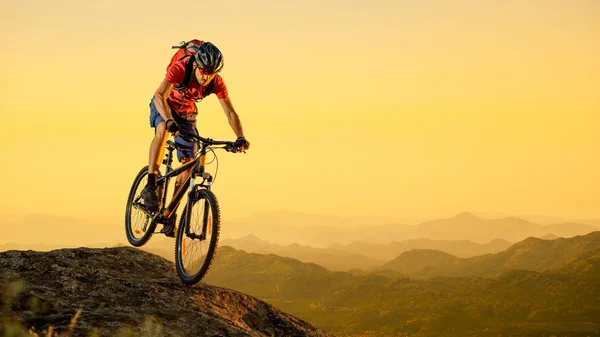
187,77
189,48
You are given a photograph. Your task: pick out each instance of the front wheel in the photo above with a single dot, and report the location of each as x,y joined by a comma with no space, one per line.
197,236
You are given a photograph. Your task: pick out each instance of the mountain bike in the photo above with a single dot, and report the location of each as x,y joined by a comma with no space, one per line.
198,230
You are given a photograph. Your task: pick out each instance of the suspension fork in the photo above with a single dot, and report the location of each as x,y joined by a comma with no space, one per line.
202,235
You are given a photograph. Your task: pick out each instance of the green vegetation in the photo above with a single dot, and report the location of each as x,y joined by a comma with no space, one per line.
563,302
530,254
558,296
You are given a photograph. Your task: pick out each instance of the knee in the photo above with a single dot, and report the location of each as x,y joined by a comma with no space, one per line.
161,130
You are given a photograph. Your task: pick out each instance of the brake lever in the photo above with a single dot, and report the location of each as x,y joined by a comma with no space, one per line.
230,148
233,149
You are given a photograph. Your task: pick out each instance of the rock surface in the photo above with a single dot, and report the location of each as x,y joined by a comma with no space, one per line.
126,289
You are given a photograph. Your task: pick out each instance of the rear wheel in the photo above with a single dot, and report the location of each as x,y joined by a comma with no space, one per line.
139,226
197,236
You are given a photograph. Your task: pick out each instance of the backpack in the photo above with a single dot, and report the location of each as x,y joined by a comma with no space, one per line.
188,49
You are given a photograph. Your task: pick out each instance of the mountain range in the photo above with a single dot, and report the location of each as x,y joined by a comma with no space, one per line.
541,219
530,254
535,288
361,255
285,228
355,256
464,226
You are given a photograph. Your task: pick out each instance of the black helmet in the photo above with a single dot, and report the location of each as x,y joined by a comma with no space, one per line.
209,58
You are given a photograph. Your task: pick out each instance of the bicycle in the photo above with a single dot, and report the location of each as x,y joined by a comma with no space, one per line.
199,194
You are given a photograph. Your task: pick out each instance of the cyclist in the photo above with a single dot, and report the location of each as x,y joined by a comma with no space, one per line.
173,109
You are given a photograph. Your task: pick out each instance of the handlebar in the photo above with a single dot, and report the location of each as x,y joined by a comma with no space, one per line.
229,146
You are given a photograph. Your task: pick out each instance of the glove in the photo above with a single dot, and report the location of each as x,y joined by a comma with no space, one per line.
172,126
241,142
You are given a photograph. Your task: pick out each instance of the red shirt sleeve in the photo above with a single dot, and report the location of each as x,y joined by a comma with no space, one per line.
176,73
220,88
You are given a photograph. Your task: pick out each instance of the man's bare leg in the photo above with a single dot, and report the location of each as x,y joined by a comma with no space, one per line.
157,151
157,147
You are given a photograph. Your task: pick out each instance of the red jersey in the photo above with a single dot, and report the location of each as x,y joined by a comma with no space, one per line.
185,102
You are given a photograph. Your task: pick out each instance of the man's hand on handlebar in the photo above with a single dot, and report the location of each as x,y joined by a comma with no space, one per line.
173,127
241,144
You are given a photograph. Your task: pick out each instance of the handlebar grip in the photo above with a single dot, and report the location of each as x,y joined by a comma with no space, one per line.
230,148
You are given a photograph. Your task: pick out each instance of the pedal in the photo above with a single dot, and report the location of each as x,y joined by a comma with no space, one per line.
144,209
169,227
168,231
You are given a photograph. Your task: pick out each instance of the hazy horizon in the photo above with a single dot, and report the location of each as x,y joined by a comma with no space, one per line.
416,219
277,227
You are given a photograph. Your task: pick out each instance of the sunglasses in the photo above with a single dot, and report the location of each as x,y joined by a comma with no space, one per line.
204,72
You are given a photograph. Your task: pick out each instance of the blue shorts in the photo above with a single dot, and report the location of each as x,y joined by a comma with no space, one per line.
187,149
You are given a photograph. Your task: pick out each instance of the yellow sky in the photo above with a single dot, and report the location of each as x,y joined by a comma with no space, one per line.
395,108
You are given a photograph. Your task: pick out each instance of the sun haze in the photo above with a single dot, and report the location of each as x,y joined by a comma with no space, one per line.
388,108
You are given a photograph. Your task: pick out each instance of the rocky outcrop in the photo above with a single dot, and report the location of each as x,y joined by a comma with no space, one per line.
126,289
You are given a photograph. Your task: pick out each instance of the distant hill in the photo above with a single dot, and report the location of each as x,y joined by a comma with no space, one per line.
537,254
266,274
424,263
471,227
286,227
530,254
541,219
586,265
562,302
361,255
318,232
460,248
332,259
549,237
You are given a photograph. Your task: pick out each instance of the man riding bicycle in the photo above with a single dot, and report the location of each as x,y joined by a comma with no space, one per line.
173,109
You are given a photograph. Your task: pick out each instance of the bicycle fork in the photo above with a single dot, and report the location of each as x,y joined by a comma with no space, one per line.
191,195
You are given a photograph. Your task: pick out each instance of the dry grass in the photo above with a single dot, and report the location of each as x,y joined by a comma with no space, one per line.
10,326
